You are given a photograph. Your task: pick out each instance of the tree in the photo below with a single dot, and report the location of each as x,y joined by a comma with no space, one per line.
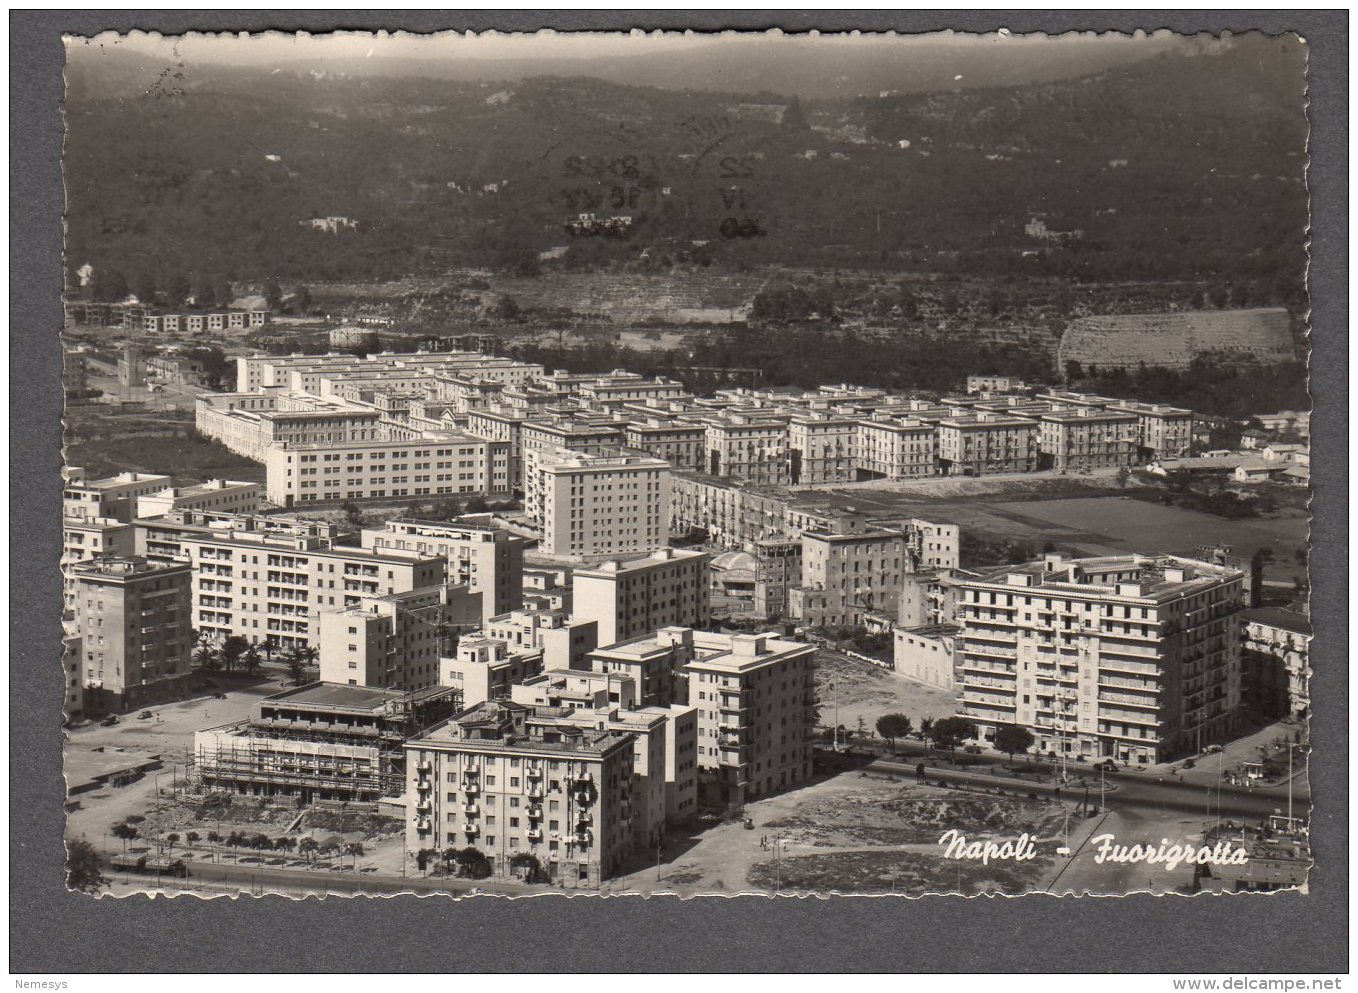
296,666
273,295
82,867
301,300
205,292
307,848
926,728
124,831
527,861
171,840
476,505
233,649
178,290
192,838
145,288
893,726
447,510
352,513
356,849
251,659
1012,738
207,658
473,862
949,732
110,285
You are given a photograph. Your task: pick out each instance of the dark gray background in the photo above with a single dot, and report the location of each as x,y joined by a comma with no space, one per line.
54,931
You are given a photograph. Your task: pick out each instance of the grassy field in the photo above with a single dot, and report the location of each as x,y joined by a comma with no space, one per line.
188,460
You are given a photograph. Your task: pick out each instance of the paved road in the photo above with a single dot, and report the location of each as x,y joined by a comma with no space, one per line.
260,880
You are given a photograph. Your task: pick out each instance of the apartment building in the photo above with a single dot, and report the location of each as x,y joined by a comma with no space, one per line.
395,641
1133,658
747,446
486,669
756,697
680,444
995,384
323,741
546,801
845,576
698,500
486,559
633,598
896,447
113,498
777,571
564,641
437,465
982,442
1162,431
219,495
934,546
550,435
651,662
1078,438
928,654
822,448
267,579
133,619
1277,662
83,539
665,766
595,505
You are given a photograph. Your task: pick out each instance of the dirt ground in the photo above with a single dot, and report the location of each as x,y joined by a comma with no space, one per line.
859,690
855,834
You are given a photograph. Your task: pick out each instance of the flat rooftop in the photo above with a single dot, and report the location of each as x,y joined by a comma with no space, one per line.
341,696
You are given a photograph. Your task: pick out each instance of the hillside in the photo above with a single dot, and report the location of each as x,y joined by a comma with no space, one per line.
213,170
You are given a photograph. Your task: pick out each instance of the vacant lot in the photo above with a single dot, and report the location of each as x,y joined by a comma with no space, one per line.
857,689
188,460
912,873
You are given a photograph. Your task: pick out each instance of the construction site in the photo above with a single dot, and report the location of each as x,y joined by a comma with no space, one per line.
321,742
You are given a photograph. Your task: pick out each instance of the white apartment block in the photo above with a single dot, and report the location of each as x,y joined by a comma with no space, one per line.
822,448
564,641
486,559
639,596
745,446
1086,438
895,447
680,444
268,579
114,498
756,697
396,641
219,495
1133,658
486,669
594,505
83,539
987,442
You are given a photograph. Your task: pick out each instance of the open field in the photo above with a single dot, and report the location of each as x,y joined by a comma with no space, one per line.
187,459
858,834
866,691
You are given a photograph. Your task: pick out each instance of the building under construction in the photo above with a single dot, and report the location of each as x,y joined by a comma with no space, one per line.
324,741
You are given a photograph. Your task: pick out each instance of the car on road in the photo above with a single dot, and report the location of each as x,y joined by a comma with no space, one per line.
1107,765
109,721
1211,749
145,715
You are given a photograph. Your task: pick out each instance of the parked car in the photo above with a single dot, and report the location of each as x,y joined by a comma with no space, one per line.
1212,749
109,721
145,715
1107,765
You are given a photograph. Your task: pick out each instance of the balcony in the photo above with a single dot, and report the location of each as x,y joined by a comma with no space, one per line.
535,834
535,792
422,825
424,767
424,807
471,830
535,811
471,788
534,774
583,798
471,809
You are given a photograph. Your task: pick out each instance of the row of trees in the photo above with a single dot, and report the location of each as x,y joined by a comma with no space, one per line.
950,732
238,654
474,863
